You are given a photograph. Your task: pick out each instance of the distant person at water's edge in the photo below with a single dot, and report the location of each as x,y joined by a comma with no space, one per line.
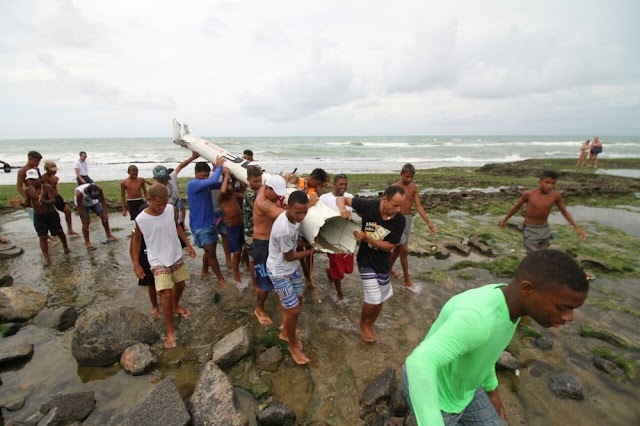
49,177
584,153
596,150
82,169
90,197
535,230
382,226
450,377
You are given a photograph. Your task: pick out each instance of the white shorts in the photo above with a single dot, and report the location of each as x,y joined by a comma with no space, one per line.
377,286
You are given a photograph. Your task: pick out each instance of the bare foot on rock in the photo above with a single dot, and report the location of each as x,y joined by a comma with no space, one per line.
155,312
262,316
397,274
298,356
367,333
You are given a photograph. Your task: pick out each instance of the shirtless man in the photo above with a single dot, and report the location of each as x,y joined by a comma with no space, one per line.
33,161
229,201
412,196
266,209
46,220
135,189
535,231
50,178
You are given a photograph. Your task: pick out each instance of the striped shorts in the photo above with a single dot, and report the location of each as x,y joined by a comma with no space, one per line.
377,286
288,287
166,276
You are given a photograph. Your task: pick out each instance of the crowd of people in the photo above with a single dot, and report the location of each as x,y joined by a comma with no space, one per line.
448,378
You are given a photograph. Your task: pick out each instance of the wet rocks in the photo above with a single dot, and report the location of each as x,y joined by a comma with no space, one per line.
607,366
136,359
213,401
544,343
69,408
9,329
16,354
6,281
61,318
10,252
233,347
269,359
20,303
507,362
100,337
476,243
276,415
567,386
381,388
163,406
457,245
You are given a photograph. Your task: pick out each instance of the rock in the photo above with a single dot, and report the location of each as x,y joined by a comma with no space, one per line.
163,406
544,343
440,251
100,337
245,375
15,399
17,354
462,249
398,404
48,419
61,318
20,303
9,329
476,243
566,385
214,402
6,281
382,388
136,359
70,407
10,252
269,359
608,366
233,347
507,361
276,415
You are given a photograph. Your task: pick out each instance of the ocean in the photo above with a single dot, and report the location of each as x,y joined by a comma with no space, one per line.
108,159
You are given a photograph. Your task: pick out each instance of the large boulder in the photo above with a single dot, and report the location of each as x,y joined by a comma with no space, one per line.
214,401
269,359
233,347
276,415
136,359
163,406
100,337
383,387
69,408
20,303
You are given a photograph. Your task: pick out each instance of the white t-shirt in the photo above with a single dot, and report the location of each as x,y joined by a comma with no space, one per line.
86,200
82,167
284,238
161,236
330,200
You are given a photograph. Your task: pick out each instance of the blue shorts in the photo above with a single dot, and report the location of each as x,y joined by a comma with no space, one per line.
97,209
260,255
235,238
288,287
205,236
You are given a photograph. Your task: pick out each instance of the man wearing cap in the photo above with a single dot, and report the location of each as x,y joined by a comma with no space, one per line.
201,215
89,197
45,220
82,169
266,209
49,178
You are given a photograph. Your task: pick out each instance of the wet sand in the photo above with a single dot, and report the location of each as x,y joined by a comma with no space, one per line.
329,389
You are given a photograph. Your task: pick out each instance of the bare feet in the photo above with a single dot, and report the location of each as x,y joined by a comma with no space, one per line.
72,232
113,238
155,312
396,274
90,247
367,333
298,356
170,343
47,262
183,312
284,337
408,282
262,316
67,251
205,272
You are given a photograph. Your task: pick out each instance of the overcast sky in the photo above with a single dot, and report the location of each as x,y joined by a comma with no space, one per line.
283,68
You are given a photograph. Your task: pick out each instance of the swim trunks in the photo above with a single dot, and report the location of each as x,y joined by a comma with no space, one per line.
235,238
596,150
377,286
97,209
47,222
260,255
536,236
407,229
340,264
134,207
288,287
205,236
166,276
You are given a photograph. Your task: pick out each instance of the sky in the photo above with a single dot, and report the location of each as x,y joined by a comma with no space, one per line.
72,69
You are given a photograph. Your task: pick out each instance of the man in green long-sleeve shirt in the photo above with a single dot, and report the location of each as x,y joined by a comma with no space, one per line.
451,374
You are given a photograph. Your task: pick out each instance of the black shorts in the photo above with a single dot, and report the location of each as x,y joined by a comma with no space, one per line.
47,222
60,204
134,207
260,254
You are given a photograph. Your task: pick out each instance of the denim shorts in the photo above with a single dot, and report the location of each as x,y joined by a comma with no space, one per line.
205,236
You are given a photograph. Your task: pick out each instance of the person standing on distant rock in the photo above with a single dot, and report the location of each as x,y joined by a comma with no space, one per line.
584,153
82,169
49,177
596,150
450,377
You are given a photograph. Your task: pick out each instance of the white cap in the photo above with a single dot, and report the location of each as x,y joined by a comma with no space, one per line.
32,174
278,184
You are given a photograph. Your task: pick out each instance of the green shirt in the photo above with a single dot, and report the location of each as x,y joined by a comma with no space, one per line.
459,353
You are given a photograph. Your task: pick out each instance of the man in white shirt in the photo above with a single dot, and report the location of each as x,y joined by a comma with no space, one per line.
82,169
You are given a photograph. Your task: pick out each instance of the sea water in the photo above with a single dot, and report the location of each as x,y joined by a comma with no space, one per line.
108,159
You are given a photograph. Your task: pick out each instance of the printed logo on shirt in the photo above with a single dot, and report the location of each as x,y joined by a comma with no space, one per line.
375,231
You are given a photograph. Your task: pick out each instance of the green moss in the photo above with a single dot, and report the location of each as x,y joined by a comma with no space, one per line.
629,367
605,336
526,330
436,276
270,338
502,267
467,276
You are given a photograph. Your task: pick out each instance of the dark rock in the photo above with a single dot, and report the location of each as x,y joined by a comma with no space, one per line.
6,281
507,361
233,347
245,375
269,359
398,404
163,406
20,303
276,415
70,407
566,385
456,245
440,251
544,343
379,420
17,354
9,329
100,337
136,359
213,401
395,421
10,252
476,243
382,388
608,366
48,420
61,318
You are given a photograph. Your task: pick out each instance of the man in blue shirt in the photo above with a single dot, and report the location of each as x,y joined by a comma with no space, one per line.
202,216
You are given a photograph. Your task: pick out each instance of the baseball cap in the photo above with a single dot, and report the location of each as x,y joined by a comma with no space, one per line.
32,174
161,173
92,191
278,184
50,165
